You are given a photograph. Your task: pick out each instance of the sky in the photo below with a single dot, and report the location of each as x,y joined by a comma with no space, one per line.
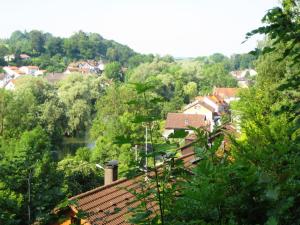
181,28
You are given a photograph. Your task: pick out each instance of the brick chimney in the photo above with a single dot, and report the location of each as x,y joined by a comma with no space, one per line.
111,172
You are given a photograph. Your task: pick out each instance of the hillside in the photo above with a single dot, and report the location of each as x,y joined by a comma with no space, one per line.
55,53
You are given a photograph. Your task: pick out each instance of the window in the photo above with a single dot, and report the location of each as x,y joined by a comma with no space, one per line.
75,221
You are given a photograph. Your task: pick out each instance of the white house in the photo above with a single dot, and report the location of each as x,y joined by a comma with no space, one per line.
101,66
13,71
215,102
11,85
239,74
3,80
201,108
30,70
251,72
9,58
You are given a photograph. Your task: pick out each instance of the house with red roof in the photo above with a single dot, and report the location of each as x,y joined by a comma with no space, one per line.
182,121
111,203
24,56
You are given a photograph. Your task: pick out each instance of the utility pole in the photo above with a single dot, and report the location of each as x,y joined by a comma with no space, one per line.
146,147
29,197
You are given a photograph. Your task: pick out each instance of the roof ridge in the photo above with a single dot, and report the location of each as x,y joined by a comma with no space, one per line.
119,181
103,187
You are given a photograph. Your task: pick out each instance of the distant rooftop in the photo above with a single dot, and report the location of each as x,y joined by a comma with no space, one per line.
183,121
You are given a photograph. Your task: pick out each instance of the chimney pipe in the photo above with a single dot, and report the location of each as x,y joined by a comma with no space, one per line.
111,172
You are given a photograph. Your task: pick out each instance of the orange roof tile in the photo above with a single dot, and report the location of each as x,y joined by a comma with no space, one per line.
13,67
182,121
24,56
226,92
20,72
109,204
33,67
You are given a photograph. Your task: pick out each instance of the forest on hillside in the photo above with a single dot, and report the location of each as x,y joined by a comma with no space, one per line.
55,53
256,182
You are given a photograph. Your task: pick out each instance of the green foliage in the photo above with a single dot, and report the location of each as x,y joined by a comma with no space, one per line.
79,174
113,71
114,119
242,61
78,94
32,184
282,26
179,82
260,186
55,53
34,102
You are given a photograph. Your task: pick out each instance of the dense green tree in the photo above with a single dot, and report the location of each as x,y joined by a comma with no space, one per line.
80,175
32,181
242,61
79,93
114,118
3,50
215,75
37,41
54,46
190,89
217,58
113,71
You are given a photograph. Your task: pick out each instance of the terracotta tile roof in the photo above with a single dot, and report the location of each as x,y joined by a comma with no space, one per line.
24,56
182,121
12,67
216,99
20,72
226,92
33,67
109,204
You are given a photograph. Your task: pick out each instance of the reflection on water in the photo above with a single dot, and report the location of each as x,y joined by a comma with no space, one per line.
71,144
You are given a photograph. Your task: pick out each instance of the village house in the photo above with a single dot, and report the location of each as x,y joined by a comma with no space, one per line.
243,77
110,204
13,72
228,94
202,108
11,85
9,58
86,67
3,80
216,102
31,70
243,83
181,121
24,56
238,74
